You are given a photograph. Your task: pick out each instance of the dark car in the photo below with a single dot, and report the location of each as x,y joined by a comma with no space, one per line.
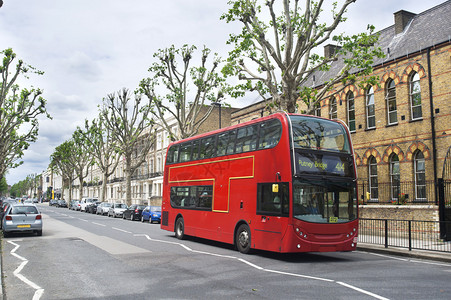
92,207
61,203
133,212
151,214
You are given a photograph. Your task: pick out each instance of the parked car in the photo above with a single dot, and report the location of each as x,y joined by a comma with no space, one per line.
102,208
92,208
73,204
116,210
133,212
151,214
61,203
21,217
85,202
53,202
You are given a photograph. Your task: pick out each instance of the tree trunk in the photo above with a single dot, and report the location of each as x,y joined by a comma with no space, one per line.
104,182
128,174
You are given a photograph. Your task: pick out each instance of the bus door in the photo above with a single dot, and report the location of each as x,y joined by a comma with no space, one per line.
272,215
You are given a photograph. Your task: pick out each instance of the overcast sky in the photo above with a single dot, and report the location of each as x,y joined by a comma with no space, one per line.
90,48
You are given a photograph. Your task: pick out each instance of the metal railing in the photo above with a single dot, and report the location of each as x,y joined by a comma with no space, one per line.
420,235
405,192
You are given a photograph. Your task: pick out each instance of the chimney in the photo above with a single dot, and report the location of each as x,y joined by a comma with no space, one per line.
330,50
402,19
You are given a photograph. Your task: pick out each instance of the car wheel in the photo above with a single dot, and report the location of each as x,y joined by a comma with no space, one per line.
243,239
39,232
142,219
5,234
180,228
132,217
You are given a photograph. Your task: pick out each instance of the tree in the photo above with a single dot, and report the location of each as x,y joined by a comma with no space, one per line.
99,138
132,129
19,111
61,161
187,111
81,158
3,186
276,57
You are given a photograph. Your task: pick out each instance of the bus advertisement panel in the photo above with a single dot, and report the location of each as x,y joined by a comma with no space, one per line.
283,183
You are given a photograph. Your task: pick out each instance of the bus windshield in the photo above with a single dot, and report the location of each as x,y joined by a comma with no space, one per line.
324,200
319,134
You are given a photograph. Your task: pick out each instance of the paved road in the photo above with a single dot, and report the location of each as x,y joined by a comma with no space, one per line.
83,256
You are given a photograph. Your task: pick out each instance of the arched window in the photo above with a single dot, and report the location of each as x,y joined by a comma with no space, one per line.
351,111
372,179
420,176
370,109
395,176
390,97
415,96
333,108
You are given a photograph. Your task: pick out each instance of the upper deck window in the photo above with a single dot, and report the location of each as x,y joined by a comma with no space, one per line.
319,134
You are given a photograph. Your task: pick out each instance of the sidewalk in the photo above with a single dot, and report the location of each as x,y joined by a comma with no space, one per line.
418,254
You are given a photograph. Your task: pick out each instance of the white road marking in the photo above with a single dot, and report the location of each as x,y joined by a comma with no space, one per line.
268,270
121,230
103,225
39,291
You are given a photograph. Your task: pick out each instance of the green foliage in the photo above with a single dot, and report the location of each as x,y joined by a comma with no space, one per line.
179,90
274,53
19,111
3,185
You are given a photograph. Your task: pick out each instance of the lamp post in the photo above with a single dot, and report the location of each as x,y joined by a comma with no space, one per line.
218,104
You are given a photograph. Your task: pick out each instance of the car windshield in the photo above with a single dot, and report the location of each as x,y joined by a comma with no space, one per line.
16,210
155,209
107,204
121,205
141,207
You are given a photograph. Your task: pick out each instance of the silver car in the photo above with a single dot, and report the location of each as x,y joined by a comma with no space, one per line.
102,208
22,217
116,210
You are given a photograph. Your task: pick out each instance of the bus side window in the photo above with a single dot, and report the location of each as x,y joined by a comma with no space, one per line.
246,139
270,133
185,152
195,150
226,142
207,147
173,154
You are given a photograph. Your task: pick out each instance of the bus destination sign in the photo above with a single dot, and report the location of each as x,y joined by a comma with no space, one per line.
322,164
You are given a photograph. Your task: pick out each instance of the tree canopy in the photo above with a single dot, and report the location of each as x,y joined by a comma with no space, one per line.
274,53
19,111
174,75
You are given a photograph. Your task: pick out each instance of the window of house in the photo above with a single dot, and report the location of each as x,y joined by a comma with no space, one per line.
333,108
317,109
390,96
420,176
372,175
351,111
395,176
415,96
370,109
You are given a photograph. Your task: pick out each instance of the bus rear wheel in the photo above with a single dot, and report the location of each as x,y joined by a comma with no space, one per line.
243,239
180,229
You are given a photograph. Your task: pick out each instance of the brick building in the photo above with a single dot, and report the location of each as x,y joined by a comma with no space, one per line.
401,128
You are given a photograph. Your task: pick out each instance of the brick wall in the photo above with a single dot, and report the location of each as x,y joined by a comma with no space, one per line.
400,212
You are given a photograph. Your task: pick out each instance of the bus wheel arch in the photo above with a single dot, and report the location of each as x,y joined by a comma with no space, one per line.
242,237
179,227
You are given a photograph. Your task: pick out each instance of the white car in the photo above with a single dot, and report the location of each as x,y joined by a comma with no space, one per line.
102,208
85,201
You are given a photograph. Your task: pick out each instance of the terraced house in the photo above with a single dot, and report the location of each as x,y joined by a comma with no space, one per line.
401,127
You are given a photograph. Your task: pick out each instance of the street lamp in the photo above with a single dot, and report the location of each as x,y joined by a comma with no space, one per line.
218,104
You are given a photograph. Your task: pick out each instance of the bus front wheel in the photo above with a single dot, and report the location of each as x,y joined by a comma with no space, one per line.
180,229
243,239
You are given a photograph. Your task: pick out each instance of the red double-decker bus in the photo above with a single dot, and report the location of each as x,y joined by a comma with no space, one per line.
283,183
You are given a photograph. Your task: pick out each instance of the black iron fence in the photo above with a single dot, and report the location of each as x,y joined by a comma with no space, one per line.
420,235
407,192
